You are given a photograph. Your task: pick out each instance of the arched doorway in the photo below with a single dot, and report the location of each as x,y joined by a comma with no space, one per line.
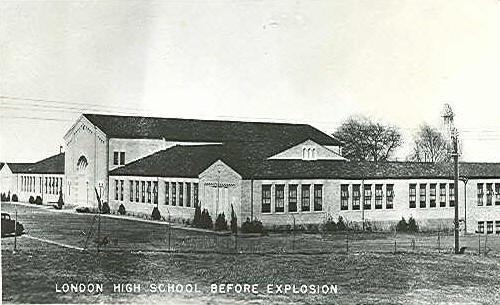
82,193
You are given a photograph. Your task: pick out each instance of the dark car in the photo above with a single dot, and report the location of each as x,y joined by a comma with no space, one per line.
10,226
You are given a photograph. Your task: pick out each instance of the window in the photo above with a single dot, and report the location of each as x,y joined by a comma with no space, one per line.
155,192
389,190
149,191
306,198
195,194
378,196
181,194
116,189
143,191
292,198
167,192
432,195
480,194
137,191
318,197
413,195
452,194
489,227
497,193
497,227
367,204
356,195
423,195
442,195
188,194
266,199
174,193
344,197
121,190
131,191
279,198
122,158
116,157
480,227
489,193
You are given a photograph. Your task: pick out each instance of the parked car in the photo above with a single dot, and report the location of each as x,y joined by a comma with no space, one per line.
10,226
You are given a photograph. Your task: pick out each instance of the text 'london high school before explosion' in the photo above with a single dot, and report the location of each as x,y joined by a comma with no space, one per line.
274,172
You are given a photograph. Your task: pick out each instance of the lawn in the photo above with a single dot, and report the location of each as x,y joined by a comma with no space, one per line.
139,255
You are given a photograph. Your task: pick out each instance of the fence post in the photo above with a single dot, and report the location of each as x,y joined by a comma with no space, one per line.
485,242
169,234
347,242
413,244
439,243
395,246
479,244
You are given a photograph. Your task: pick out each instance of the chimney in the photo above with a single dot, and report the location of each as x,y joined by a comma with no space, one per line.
60,149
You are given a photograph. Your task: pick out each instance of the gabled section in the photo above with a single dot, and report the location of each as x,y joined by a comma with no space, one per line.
308,150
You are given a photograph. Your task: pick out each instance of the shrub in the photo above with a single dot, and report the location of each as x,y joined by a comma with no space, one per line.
8,196
2,197
402,226
412,225
234,221
31,200
121,209
252,226
105,208
38,200
14,198
60,201
83,210
341,224
206,220
221,223
155,215
197,217
329,225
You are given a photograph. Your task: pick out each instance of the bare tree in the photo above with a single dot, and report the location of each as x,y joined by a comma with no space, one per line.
430,146
367,140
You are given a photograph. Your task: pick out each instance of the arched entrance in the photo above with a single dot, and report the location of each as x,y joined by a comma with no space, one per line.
82,192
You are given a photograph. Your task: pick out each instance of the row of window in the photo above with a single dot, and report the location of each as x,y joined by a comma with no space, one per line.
140,191
46,185
292,196
147,192
489,194
118,158
489,227
433,195
367,196
174,193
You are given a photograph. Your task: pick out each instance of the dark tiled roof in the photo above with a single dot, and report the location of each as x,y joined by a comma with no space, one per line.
333,169
177,161
18,167
50,165
188,130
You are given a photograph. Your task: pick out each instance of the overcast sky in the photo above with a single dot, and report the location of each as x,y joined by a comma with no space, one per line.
314,62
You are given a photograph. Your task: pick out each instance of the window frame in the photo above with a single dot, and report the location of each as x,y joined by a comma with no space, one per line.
344,197
412,195
318,198
305,201
293,199
279,198
266,193
379,196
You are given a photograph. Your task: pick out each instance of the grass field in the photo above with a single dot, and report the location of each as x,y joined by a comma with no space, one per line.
369,274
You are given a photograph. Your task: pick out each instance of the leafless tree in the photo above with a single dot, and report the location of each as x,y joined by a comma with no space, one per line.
429,146
367,140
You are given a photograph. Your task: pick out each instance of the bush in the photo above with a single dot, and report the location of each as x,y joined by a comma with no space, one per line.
38,200
341,224
412,225
206,220
329,225
60,201
121,209
155,215
14,198
252,226
221,223
31,200
8,196
197,217
3,197
234,221
83,210
105,208
402,226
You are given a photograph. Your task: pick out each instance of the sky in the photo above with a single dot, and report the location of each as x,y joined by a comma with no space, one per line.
315,62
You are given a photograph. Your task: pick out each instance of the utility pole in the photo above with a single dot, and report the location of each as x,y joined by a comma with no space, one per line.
455,174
